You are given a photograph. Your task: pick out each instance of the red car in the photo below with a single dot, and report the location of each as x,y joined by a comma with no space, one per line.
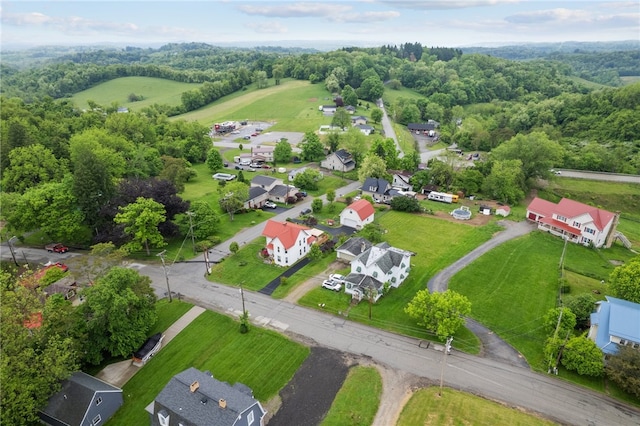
56,248
255,134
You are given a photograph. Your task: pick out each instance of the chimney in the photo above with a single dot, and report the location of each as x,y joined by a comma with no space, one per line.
194,386
222,403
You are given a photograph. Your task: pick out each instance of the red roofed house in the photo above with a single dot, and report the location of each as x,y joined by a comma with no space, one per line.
357,214
287,242
579,223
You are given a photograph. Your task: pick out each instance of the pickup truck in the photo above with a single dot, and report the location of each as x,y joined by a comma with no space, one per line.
56,248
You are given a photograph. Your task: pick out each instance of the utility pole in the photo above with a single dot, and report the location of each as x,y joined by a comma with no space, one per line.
193,242
166,275
445,352
12,250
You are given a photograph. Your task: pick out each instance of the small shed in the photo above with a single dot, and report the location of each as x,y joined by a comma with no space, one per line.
485,210
503,211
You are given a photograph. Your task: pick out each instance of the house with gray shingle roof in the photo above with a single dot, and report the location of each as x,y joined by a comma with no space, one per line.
378,188
352,248
383,263
196,398
341,161
616,322
82,400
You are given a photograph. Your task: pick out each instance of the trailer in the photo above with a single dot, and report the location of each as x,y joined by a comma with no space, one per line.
226,127
443,197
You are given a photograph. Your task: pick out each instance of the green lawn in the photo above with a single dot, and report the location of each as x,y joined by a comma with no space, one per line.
357,401
292,106
431,240
261,359
458,408
154,90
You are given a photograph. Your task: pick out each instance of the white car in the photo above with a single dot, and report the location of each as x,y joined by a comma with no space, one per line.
270,204
331,285
337,278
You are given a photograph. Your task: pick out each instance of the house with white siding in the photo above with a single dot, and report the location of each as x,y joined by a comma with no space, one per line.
287,242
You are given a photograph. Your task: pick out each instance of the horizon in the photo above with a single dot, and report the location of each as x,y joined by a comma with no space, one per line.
361,23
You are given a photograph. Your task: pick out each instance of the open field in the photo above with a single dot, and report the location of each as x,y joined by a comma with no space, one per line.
154,90
213,342
292,106
458,408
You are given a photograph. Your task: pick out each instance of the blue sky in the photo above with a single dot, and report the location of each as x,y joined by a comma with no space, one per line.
367,22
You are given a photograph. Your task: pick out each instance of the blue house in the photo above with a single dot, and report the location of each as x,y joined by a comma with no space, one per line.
615,323
82,401
195,398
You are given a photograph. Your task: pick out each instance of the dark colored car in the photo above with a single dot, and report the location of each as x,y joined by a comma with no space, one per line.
239,167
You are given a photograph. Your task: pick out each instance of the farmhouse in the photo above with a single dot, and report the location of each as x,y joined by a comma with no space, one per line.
615,323
577,222
196,398
83,400
340,160
357,214
380,264
265,188
287,242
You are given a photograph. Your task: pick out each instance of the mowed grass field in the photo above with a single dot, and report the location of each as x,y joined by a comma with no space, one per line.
154,90
292,106
261,359
458,408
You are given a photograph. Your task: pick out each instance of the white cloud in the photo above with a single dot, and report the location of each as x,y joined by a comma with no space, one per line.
297,10
446,4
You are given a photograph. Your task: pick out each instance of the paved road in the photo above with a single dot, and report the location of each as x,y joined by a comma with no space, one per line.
388,128
612,177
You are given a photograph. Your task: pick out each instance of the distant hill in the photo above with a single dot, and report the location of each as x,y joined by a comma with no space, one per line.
543,50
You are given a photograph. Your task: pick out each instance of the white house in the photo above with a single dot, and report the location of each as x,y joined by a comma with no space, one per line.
357,214
382,264
615,323
287,242
401,180
579,223
340,160
262,153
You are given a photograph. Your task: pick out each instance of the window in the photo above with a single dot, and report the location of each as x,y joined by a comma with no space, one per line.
561,218
279,259
278,249
576,224
590,231
163,418
375,274
96,420
358,269
250,418
300,252
286,260
99,400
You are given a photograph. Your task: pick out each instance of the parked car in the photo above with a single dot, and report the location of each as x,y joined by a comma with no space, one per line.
266,166
254,134
239,167
56,248
337,278
251,169
301,194
331,285
270,204
305,211
246,137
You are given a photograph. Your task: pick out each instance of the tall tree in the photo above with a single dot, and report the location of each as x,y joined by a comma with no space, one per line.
119,311
312,149
535,151
141,220
440,313
235,195
372,166
36,354
341,118
204,219
376,115
308,179
624,281
349,96
282,151
214,160
29,166
505,182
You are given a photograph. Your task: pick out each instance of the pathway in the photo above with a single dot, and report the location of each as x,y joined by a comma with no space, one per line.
119,373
